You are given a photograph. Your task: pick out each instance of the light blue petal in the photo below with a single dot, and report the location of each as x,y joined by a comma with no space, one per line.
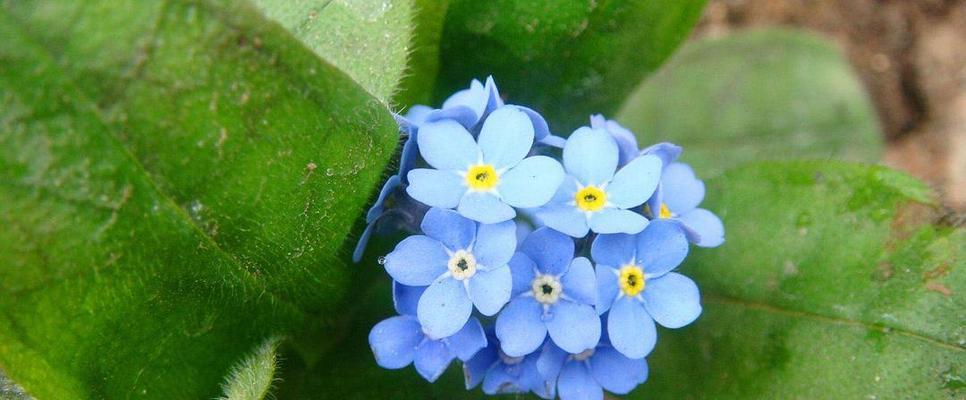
553,141
564,218
615,372
417,113
378,207
590,155
654,203
493,100
485,207
540,127
625,139
683,191
446,145
531,379
449,228
614,250
506,137
532,182
524,229
552,251
667,152
576,383
499,381
463,115
405,298
551,360
475,98
615,220
574,327
432,358
417,261
408,156
580,283
475,369
436,188
607,288
394,341
706,227
468,341
495,243
630,329
661,247
634,184
490,290
444,308
361,244
672,300
520,328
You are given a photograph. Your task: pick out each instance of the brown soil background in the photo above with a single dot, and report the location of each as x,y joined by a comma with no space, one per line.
911,56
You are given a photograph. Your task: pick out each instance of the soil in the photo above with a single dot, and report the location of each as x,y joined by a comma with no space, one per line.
911,56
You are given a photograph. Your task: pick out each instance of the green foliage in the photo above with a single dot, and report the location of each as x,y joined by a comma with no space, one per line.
420,78
252,378
758,95
565,59
369,40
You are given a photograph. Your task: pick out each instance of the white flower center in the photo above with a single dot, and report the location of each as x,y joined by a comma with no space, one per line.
462,265
546,289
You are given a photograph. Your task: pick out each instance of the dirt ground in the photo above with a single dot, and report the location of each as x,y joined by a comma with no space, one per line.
911,55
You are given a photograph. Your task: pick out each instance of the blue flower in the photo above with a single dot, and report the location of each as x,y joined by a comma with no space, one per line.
626,142
635,284
399,341
469,106
483,179
502,374
677,198
553,292
463,263
585,375
593,196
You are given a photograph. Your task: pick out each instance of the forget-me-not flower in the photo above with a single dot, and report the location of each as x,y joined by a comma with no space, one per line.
594,197
553,292
483,179
399,341
463,263
677,198
626,142
635,283
502,374
585,375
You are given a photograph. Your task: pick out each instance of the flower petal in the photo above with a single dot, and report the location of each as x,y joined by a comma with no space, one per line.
614,250
468,341
576,383
531,379
417,261
615,372
522,270
667,152
463,115
499,381
590,155
564,218
550,250
475,98
551,360
661,247
553,141
432,358
436,188
363,241
394,341
625,139
574,327
485,207
378,207
705,227
672,300
446,145
683,191
520,328
506,137
631,330
635,182
540,127
580,283
607,288
444,308
495,243
532,182
449,228
475,368
615,220
490,290
405,298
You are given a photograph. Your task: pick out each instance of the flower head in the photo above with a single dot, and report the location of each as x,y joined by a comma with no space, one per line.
503,374
483,178
594,197
636,285
463,263
553,292
587,374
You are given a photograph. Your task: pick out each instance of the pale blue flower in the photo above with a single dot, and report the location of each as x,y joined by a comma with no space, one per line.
502,374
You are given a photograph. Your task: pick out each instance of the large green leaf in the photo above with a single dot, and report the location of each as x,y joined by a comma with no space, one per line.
178,179
769,94
565,59
420,78
835,283
369,40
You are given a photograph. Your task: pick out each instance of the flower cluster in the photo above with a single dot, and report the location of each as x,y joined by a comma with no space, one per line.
541,263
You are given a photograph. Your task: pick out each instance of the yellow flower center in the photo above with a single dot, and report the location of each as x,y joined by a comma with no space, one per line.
590,198
665,212
482,177
631,280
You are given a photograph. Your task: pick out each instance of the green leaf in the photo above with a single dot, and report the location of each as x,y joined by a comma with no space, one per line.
768,94
420,78
369,40
252,378
177,181
565,59
836,282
